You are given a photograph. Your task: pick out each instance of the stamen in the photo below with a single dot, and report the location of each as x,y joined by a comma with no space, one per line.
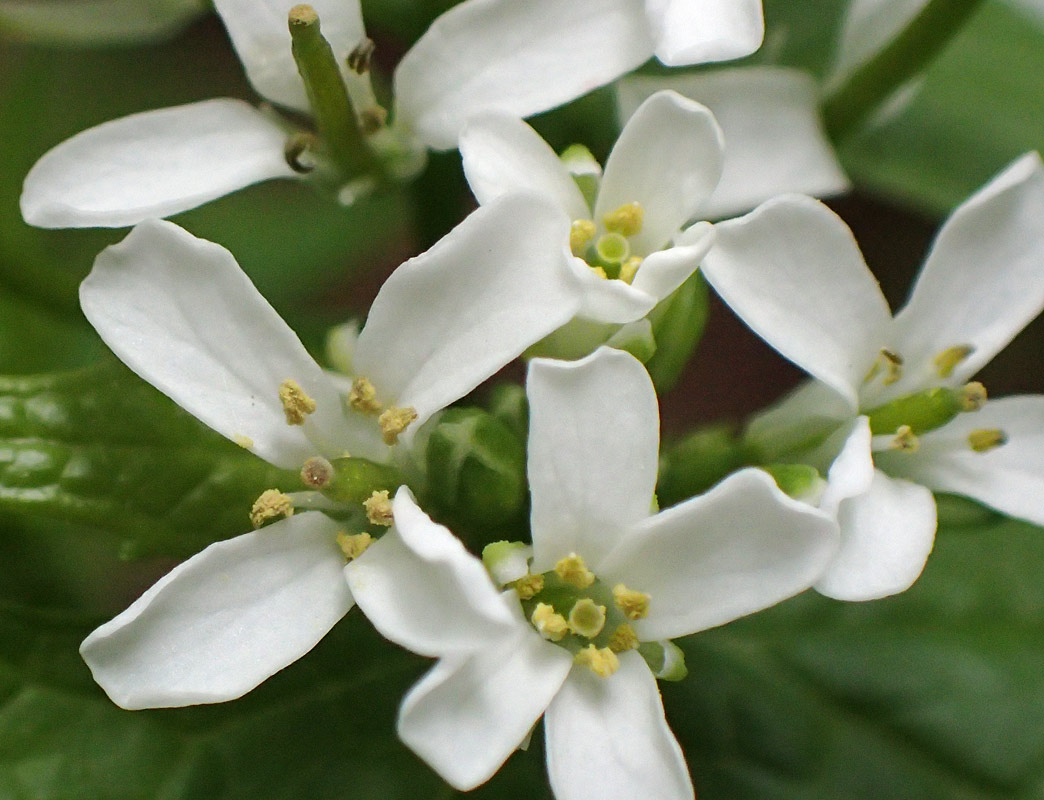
634,605
549,624
317,472
973,396
529,586
243,441
298,152
891,362
587,618
613,248
623,638
986,439
379,509
271,505
905,440
600,272
394,421
946,362
601,661
359,58
626,220
297,405
572,569
363,397
581,232
353,545
630,268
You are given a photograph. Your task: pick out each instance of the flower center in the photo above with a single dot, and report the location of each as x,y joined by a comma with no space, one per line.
608,248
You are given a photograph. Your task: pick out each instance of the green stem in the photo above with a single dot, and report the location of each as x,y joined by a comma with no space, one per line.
907,55
335,119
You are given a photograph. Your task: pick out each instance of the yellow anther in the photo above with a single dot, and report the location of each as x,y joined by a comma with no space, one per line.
634,605
600,273
581,232
572,569
892,364
973,396
629,268
626,220
297,405
353,545
905,440
272,504
363,397
394,421
587,618
985,439
379,508
316,472
946,362
243,441
601,661
623,638
529,586
549,624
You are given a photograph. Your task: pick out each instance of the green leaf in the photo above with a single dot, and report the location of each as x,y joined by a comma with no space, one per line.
677,323
100,447
935,693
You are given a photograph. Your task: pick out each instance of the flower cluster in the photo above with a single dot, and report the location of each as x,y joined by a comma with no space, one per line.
563,262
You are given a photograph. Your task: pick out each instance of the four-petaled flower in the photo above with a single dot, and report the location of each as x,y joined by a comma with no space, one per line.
610,581
897,387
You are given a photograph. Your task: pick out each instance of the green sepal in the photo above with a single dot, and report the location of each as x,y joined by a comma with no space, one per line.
678,322
694,464
585,170
800,481
509,404
476,466
355,479
665,659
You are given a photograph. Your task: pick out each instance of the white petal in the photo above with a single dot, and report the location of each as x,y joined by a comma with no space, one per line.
96,22
984,279
665,270
774,139
521,58
218,624
668,158
471,712
609,301
503,154
698,31
797,421
421,589
181,313
153,164
886,536
260,34
451,317
793,272
607,738
1009,478
593,440
741,547
852,472
868,27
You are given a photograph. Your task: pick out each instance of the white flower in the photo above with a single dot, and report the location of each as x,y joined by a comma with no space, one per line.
770,120
792,271
180,313
592,469
663,167
517,57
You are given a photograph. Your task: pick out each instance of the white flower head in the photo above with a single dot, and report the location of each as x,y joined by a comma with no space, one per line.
180,313
626,242
897,387
483,54
607,575
769,116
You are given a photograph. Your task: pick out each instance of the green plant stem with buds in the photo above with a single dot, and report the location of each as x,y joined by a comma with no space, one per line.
907,55
335,119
